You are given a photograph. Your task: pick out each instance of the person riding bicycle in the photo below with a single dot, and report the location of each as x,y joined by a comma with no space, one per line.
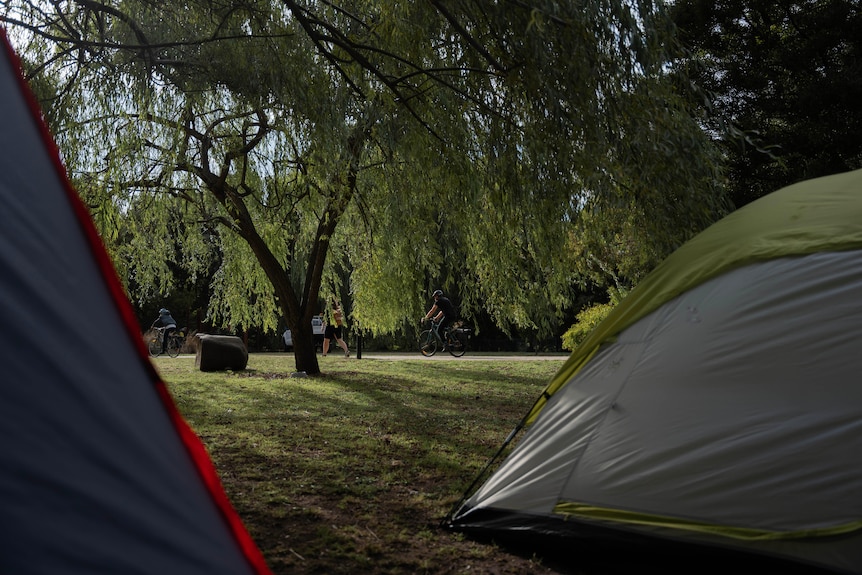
166,321
442,311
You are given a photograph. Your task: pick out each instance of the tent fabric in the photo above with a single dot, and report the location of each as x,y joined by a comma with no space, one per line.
793,221
100,472
721,406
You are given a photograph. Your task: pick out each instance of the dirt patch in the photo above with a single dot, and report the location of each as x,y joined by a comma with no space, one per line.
324,530
315,536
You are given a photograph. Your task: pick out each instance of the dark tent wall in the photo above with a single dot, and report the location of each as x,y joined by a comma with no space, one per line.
100,473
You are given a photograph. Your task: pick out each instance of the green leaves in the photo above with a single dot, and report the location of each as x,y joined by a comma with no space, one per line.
779,87
506,152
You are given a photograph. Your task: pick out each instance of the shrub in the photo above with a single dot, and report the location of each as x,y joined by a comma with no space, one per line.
589,318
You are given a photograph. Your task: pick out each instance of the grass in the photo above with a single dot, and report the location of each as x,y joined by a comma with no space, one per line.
352,471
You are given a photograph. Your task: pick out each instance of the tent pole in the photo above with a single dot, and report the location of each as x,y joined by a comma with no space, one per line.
469,491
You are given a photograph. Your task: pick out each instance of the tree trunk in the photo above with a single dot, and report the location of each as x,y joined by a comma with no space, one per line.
305,350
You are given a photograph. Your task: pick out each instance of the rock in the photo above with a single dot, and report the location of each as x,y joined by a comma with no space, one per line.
220,352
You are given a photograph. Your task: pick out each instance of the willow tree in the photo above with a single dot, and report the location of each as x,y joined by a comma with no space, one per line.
482,146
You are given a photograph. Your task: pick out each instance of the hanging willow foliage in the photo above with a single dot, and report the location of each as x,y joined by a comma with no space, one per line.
506,151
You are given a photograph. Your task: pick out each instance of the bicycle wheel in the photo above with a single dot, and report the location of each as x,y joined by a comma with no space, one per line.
155,346
427,343
457,345
175,343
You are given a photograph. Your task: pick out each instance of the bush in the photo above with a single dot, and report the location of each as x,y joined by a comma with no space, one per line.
589,318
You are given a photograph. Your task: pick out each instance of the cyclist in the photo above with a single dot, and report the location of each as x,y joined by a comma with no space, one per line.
442,311
166,321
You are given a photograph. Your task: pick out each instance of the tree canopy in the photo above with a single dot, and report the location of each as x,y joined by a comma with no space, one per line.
506,151
781,82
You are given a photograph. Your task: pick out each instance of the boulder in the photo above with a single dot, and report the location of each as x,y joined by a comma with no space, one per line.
220,352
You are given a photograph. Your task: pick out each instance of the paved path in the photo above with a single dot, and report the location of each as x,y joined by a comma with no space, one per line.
475,356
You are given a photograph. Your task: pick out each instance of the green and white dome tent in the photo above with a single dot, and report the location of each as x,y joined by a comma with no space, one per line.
719,407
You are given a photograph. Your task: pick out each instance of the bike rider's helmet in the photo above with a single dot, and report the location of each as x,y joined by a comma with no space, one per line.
437,293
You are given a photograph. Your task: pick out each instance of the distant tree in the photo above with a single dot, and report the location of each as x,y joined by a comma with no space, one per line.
782,86
404,146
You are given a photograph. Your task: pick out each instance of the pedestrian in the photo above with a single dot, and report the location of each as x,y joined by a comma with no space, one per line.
335,331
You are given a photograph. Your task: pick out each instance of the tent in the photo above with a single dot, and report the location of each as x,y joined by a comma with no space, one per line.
99,473
717,411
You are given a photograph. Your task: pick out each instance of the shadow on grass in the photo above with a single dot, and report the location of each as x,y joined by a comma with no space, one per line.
352,471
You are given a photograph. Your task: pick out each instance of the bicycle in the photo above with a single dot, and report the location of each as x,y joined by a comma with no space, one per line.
453,340
176,339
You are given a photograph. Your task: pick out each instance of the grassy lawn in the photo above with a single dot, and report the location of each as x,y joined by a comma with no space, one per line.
352,471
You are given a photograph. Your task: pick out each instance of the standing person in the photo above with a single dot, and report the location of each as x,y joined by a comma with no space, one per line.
442,311
166,321
335,331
